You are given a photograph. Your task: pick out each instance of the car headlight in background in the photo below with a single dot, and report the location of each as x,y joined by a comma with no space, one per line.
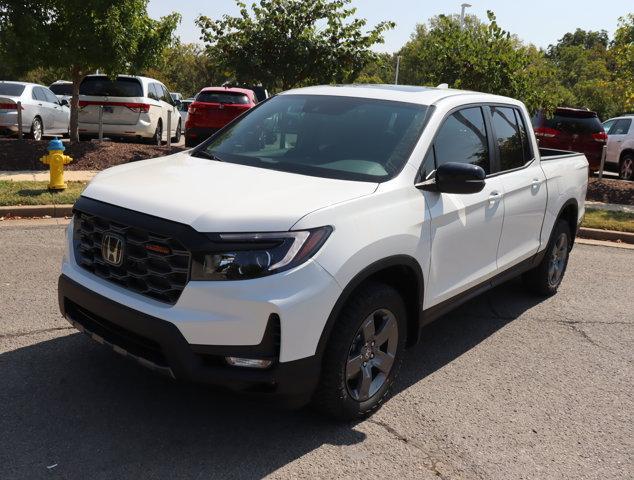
240,256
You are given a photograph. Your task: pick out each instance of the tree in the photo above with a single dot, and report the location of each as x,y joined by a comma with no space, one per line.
82,36
287,43
479,56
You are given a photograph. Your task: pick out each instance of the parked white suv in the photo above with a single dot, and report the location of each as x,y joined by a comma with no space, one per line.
133,107
301,248
620,154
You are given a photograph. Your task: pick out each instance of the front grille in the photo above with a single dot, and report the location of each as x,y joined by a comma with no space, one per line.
153,265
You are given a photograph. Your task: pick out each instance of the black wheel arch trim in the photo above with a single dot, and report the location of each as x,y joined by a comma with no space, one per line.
406,261
574,226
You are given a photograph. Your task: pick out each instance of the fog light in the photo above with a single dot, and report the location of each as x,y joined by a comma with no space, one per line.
248,362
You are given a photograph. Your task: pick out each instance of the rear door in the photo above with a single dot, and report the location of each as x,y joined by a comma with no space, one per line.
524,184
616,135
60,116
45,109
122,100
466,229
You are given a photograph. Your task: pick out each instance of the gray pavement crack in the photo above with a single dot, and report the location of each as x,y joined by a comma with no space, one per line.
432,464
33,332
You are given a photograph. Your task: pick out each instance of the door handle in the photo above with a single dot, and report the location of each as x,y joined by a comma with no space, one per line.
494,197
536,183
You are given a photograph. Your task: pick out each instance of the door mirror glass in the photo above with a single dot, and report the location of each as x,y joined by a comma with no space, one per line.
456,178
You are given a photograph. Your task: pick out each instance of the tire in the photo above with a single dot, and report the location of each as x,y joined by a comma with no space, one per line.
547,276
37,129
157,138
626,167
177,136
352,385
190,142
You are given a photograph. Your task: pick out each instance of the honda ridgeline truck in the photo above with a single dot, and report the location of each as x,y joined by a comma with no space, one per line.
299,250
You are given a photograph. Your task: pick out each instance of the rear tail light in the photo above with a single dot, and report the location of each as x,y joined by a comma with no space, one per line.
10,106
545,132
600,137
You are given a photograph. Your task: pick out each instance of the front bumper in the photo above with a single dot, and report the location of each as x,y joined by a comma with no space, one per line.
159,345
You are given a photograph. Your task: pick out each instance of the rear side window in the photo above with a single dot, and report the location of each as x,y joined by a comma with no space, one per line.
621,127
153,91
463,138
50,96
62,88
38,94
222,97
508,137
11,89
104,87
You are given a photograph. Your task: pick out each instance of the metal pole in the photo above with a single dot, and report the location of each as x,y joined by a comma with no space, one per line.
169,129
19,105
463,7
100,123
398,66
604,153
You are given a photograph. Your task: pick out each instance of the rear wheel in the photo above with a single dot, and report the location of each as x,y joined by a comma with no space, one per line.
157,139
547,276
177,134
364,353
37,129
626,167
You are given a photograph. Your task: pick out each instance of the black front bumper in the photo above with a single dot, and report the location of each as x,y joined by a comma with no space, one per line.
159,345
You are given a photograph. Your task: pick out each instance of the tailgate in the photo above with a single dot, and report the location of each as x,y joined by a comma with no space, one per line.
116,111
215,115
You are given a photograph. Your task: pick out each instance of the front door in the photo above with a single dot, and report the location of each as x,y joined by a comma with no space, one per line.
465,229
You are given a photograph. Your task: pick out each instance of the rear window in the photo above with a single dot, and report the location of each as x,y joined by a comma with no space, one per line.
104,87
222,97
573,123
62,88
11,89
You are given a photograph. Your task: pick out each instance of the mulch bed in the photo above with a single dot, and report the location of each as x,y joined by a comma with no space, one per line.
611,190
93,155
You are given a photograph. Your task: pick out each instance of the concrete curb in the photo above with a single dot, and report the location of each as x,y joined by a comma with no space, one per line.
607,235
27,211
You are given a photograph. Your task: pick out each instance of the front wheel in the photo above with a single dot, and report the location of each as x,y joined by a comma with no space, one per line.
364,353
626,168
547,276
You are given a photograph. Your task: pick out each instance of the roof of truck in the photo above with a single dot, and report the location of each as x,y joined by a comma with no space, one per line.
403,93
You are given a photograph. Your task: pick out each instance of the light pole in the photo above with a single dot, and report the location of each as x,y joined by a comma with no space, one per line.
398,66
463,7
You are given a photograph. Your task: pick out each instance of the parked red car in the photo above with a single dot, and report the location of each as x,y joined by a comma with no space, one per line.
212,109
572,129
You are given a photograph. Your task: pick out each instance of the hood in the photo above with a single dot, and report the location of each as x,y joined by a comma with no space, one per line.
214,196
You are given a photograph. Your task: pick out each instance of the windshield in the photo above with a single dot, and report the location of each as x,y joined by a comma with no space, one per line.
62,88
104,87
328,136
11,89
222,97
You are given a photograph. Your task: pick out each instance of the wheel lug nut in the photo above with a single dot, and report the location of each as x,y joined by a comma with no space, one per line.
373,343
365,364
372,356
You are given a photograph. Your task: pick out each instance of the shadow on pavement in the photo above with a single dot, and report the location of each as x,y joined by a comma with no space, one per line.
74,403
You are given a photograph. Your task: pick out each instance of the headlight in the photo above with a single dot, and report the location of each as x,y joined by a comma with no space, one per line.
240,256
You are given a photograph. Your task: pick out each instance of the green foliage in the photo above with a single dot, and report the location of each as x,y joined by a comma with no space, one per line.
80,36
380,69
287,43
479,56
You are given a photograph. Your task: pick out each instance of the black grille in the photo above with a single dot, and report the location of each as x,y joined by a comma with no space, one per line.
153,265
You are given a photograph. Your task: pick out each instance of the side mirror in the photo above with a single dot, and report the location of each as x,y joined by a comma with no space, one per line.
456,178
64,103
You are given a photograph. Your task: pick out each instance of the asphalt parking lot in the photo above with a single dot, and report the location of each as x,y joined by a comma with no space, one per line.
507,387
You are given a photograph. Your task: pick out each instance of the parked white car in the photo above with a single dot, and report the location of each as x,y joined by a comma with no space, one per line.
133,107
620,154
183,108
63,90
42,113
300,249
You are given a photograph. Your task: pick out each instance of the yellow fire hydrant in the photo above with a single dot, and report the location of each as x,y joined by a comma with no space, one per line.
56,161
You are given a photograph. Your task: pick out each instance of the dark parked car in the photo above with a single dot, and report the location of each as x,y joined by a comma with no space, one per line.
572,129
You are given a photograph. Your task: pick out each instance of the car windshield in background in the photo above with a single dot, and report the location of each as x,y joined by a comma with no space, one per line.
104,87
11,89
223,97
62,88
328,136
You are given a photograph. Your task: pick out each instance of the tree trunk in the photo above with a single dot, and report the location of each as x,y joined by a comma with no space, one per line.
76,78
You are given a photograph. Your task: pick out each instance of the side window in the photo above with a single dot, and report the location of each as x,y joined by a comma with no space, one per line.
38,94
621,127
508,137
166,97
50,96
463,138
527,148
152,91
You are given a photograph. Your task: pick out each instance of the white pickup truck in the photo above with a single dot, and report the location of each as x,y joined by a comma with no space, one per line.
299,250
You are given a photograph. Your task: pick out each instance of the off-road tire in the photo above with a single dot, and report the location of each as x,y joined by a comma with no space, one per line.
332,396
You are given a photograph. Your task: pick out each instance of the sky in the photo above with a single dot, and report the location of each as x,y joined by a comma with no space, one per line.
541,22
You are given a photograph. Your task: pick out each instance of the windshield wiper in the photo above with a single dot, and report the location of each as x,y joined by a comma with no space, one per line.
207,155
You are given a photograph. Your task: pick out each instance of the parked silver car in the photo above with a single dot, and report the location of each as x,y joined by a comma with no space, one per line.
42,113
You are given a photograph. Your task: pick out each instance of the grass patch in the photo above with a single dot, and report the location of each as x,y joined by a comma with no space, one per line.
605,220
37,193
